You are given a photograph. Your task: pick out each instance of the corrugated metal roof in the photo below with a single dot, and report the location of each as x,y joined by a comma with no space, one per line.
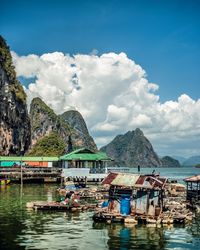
195,178
85,155
108,180
27,158
141,180
134,180
121,179
79,154
125,180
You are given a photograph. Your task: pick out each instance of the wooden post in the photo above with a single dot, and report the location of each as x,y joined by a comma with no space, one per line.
21,171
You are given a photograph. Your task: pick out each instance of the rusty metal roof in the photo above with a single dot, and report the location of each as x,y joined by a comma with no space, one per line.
134,180
121,179
147,181
141,180
195,178
109,178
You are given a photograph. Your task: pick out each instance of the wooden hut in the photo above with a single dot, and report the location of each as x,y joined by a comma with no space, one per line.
145,192
193,188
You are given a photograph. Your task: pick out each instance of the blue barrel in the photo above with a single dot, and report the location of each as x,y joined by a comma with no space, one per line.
105,204
125,205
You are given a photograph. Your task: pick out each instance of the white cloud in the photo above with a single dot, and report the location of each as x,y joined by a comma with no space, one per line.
113,94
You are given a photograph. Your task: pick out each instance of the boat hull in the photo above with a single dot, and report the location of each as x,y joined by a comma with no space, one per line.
4,182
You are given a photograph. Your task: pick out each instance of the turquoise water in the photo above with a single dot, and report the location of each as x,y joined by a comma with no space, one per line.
27,229
172,173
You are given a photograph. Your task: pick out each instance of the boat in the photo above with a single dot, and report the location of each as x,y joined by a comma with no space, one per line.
4,182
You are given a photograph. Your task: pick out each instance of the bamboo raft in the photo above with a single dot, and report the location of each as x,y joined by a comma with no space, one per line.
144,219
39,205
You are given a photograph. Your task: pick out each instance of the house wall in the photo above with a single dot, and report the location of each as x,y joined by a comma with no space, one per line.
95,166
141,202
37,163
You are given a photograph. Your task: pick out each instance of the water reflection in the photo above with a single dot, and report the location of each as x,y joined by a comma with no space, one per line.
25,229
133,237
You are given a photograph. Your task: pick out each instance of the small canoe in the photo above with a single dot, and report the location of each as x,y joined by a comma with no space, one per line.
4,182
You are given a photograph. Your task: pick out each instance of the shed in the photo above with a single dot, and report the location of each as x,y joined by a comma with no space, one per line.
193,188
144,191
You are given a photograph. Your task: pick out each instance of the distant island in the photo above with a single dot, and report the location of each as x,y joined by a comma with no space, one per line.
133,149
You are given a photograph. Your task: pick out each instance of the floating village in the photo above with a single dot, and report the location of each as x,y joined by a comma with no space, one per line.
114,194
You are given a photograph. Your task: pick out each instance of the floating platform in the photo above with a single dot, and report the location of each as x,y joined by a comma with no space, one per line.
40,205
135,219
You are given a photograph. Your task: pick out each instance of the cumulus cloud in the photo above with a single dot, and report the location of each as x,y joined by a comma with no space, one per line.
113,94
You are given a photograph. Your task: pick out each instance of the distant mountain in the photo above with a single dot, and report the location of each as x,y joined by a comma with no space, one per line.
168,161
132,149
179,158
192,161
44,121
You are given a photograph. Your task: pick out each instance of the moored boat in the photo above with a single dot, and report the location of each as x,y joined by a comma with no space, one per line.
4,182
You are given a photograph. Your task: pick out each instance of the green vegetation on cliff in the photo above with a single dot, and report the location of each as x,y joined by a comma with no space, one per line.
71,127
49,145
7,65
38,107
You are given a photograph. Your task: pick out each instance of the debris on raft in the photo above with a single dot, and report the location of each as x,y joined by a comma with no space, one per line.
144,199
127,198
95,193
71,200
39,205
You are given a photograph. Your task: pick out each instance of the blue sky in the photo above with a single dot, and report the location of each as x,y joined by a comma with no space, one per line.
163,37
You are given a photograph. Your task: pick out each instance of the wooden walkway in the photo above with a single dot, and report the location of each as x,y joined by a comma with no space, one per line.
31,174
58,206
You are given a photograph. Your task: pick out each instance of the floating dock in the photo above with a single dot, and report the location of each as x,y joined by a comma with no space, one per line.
141,219
39,205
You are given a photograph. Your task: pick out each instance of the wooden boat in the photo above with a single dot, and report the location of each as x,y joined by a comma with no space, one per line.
4,182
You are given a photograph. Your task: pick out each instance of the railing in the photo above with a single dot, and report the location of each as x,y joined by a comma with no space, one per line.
30,173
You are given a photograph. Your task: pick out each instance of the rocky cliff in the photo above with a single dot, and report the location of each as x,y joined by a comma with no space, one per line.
14,120
44,121
76,121
132,149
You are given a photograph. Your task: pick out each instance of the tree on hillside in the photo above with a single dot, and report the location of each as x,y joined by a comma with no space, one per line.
49,145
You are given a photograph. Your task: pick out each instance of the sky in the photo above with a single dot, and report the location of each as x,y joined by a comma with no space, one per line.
122,64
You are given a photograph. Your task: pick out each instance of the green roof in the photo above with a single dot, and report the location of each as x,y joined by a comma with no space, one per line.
79,154
28,158
85,155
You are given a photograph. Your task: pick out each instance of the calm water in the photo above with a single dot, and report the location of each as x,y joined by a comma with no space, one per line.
25,229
